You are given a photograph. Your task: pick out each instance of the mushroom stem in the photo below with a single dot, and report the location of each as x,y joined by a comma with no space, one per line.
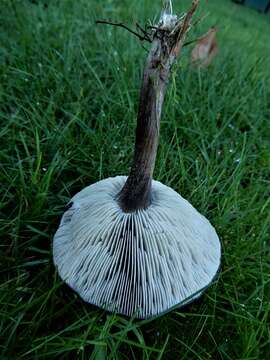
136,192
167,42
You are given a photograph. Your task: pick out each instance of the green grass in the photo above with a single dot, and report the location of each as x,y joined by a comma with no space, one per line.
68,98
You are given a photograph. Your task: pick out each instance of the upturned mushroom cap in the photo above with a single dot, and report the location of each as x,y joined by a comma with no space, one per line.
133,245
140,263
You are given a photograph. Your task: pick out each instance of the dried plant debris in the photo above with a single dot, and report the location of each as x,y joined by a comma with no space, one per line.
205,49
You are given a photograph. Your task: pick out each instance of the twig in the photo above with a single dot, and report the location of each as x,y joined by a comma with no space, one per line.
144,48
146,34
179,30
142,38
187,18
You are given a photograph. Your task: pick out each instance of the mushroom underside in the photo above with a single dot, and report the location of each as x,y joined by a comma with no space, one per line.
141,263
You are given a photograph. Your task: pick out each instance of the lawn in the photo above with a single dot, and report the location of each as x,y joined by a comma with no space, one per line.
68,100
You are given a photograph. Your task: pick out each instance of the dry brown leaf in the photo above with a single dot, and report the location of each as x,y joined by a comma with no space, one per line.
205,49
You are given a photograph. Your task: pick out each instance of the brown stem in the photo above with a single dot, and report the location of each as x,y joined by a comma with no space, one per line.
136,192
166,45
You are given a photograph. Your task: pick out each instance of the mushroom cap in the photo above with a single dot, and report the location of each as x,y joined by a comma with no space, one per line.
141,263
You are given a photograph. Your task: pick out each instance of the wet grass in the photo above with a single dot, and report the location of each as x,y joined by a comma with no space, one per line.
68,98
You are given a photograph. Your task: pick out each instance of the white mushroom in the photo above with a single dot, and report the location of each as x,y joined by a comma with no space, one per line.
131,244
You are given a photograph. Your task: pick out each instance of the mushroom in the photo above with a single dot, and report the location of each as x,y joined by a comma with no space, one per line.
132,245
